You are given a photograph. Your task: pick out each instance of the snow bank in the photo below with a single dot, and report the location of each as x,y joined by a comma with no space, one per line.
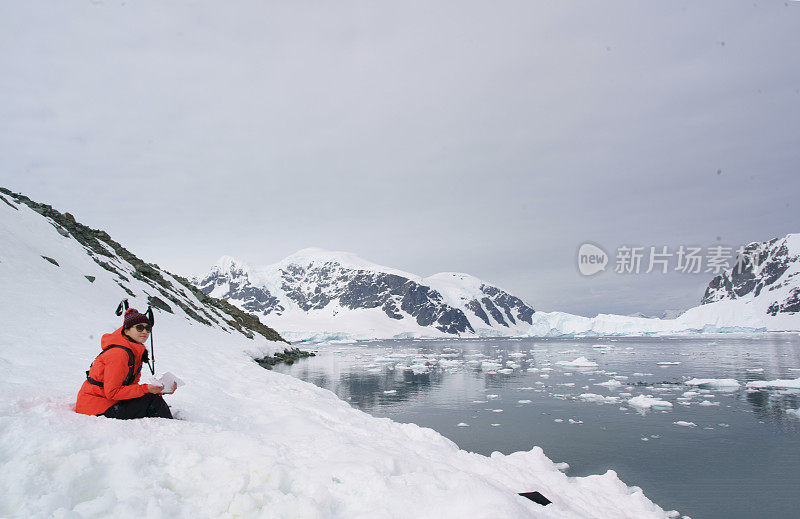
250,442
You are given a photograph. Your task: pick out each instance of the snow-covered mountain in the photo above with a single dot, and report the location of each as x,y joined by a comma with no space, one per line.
760,293
340,292
322,295
249,443
766,275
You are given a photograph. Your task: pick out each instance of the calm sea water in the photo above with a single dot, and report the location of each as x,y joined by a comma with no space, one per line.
735,452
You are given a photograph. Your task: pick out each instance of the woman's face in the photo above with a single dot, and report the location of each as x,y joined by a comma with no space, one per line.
138,332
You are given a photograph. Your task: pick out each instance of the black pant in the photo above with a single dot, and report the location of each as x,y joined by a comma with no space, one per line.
149,405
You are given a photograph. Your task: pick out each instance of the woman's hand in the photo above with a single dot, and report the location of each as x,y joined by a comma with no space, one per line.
174,387
155,389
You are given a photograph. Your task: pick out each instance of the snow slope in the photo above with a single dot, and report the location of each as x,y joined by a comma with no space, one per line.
250,442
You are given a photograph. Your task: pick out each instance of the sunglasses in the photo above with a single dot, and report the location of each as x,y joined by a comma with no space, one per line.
143,328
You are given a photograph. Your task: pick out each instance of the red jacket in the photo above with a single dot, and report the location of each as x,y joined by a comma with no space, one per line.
111,369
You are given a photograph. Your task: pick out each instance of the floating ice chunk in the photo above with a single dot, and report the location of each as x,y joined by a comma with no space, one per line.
685,424
558,420
505,371
497,410
690,394
755,370
492,397
611,384
526,389
668,363
580,362
462,424
488,365
533,370
647,401
600,399
793,412
762,384
390,392
567,384
642,374
524,401
713,383
495,425
545,376
575,421
420,369
708,403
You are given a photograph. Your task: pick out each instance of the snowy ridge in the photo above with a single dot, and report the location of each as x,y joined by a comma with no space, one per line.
315,291
250,442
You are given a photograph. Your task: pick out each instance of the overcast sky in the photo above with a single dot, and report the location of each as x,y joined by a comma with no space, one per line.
492,138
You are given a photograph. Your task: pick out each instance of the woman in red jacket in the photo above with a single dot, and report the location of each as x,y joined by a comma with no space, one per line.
112,386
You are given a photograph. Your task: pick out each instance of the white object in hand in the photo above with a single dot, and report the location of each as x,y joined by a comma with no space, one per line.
168,379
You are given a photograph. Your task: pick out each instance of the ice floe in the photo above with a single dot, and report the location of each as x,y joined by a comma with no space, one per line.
592,397
766,384
713,382
580,362
647,401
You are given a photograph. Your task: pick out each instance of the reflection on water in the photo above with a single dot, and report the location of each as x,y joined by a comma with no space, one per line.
599,404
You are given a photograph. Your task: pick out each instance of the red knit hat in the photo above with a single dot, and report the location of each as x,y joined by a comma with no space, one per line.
133,317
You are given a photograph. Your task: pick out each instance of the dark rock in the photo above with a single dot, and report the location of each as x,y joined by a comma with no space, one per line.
156,302
289,356
51,260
